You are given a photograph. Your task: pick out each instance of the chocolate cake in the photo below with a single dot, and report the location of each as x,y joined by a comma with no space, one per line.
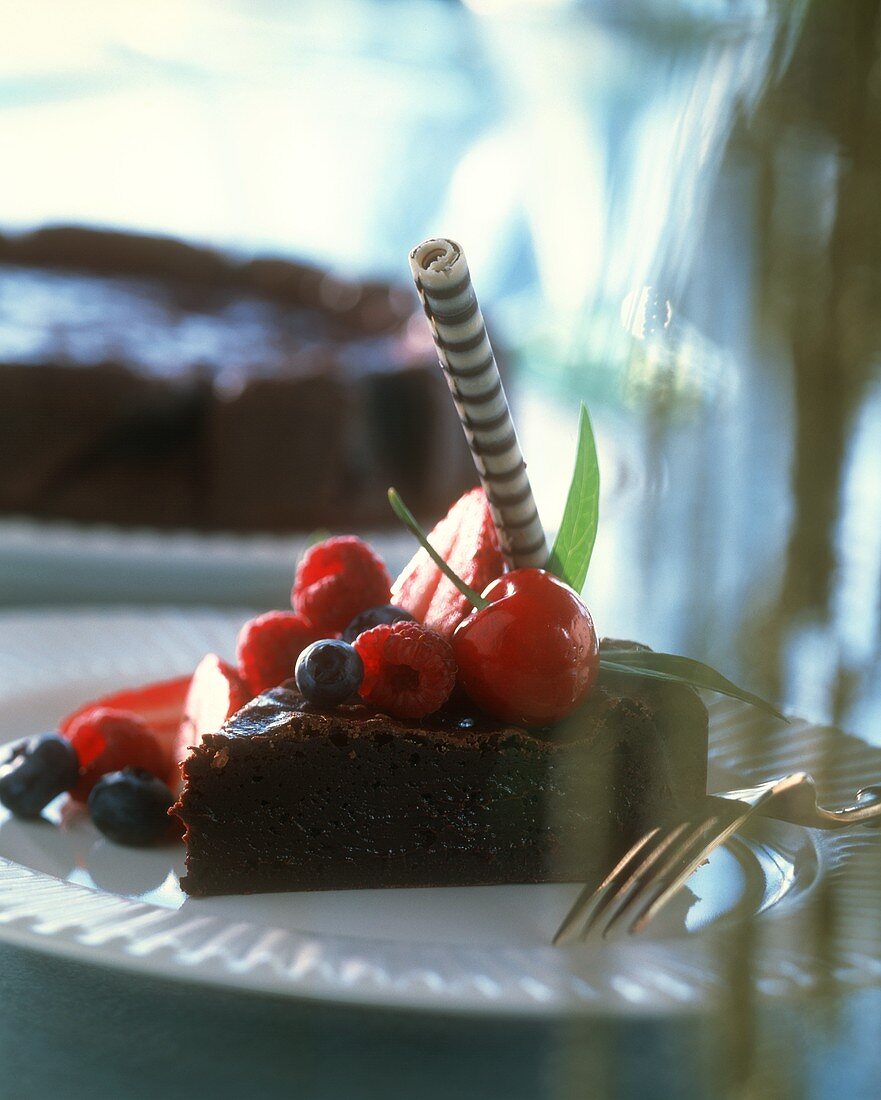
289,797
146,381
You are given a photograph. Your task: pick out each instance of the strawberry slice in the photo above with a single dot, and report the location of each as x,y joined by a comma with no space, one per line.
467,541
159,705
417,584
216,693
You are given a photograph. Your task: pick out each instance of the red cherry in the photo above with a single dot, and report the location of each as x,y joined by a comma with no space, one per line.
532,656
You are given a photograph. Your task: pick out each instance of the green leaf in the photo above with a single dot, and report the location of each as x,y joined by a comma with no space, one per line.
573,545
412,524
681,670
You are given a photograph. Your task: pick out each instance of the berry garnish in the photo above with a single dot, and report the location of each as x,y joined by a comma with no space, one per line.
268,648
336,580
216,693
467,541
375,616
131,806
107,740
35,771
409,671
531,656
159,705
329,672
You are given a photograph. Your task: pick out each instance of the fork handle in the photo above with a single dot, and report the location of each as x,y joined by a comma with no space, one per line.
793,799
788,806
866,810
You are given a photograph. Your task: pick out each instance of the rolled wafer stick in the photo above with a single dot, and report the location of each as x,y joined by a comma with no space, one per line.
466,357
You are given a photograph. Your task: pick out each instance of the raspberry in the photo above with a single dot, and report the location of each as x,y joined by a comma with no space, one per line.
336,580
107,740
268,648
158,705
409,671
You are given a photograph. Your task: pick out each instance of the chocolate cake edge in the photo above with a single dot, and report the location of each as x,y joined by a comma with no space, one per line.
285,797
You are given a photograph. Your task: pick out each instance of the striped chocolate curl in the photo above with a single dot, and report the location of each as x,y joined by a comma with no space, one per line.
466,357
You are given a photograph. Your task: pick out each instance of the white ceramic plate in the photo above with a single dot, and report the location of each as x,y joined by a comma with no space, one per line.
66,890
42,562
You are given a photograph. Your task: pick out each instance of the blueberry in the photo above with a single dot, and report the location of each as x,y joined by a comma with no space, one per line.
35,771
375,616
329,672
131,806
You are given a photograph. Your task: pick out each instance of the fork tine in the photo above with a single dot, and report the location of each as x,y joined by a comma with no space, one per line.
631,874
677,846
667,884
591,894
593,901
688,853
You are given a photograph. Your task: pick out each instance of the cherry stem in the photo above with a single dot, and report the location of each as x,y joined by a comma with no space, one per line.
409,521
318,535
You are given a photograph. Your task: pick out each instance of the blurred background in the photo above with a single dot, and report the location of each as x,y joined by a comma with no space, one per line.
670,210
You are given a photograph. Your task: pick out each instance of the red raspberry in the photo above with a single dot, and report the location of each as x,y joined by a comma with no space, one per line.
409,671
268,648
338,579
107,740
158,705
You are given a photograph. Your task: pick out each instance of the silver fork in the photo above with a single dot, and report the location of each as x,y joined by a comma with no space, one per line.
646,877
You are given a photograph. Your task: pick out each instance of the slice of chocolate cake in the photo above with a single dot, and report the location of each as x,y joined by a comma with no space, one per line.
289,797
144,381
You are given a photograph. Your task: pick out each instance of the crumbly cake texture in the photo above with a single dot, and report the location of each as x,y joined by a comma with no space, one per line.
288,797
147,381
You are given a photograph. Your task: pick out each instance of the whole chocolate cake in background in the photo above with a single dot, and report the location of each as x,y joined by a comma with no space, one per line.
148,382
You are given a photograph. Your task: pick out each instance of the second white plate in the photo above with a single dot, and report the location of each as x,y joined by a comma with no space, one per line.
43,563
